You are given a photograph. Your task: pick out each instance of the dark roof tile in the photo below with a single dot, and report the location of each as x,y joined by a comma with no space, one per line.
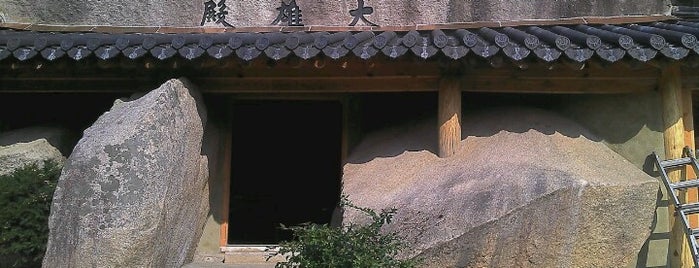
549,43
277,52
579,54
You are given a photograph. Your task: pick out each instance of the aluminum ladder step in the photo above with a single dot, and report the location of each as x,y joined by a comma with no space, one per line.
691,208
695,232
674,163
685,184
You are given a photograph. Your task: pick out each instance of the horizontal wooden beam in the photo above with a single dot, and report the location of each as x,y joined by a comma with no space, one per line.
231,85
341,84
337,77
77,85
317,84
690,82
286,96
558,85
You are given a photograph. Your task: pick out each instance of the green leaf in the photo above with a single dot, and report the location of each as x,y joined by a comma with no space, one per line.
350,245
25,196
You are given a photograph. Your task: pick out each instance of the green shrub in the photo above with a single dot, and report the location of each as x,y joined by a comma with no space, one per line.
352,245
25,200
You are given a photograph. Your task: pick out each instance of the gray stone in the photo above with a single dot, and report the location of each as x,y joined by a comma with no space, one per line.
134,191
315,12
17,155
527,188
58,137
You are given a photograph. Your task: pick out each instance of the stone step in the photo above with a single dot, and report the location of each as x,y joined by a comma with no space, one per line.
250,258
226,265
239,256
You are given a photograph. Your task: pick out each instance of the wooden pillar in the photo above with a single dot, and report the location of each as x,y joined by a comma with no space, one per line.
449,116
674,139
226,151
688,120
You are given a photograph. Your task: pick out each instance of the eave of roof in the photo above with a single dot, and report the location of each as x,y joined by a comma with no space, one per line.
640,38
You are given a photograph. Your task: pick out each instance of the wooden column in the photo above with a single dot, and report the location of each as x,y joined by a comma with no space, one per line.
226,151
449,116
688,120
674,138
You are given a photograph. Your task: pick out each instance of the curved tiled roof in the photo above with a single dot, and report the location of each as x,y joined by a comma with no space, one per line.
642,42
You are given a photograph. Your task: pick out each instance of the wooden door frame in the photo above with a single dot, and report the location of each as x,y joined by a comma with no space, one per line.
227,141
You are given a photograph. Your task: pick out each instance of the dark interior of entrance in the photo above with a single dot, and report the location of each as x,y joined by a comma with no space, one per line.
285,167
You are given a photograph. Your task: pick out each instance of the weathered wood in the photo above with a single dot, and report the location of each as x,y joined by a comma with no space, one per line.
525,84
471,82
354,76
674,139
449,116
317,84
689,81
688,120
286,96
226,152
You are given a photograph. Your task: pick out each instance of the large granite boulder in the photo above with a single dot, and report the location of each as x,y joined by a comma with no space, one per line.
134,191
526,188
17,155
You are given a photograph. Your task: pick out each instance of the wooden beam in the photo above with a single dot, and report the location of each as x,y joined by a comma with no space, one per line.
690,82
674,139
334,84
284,96
336,77
553,84
337,84
449,116
325,85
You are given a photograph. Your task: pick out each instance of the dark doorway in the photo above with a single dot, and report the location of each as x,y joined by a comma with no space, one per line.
285,167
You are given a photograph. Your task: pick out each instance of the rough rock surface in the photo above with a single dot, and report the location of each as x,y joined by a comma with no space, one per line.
315,12
58,137
526,188
134,191
17,155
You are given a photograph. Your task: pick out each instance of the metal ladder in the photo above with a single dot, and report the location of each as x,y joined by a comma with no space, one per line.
674,189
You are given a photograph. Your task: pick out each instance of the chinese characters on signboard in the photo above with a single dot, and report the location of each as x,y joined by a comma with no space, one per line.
215,12
288,12
360,12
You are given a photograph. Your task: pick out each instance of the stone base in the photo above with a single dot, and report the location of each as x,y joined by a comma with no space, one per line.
251,255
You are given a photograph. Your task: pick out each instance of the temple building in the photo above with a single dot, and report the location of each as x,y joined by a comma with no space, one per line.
506,133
